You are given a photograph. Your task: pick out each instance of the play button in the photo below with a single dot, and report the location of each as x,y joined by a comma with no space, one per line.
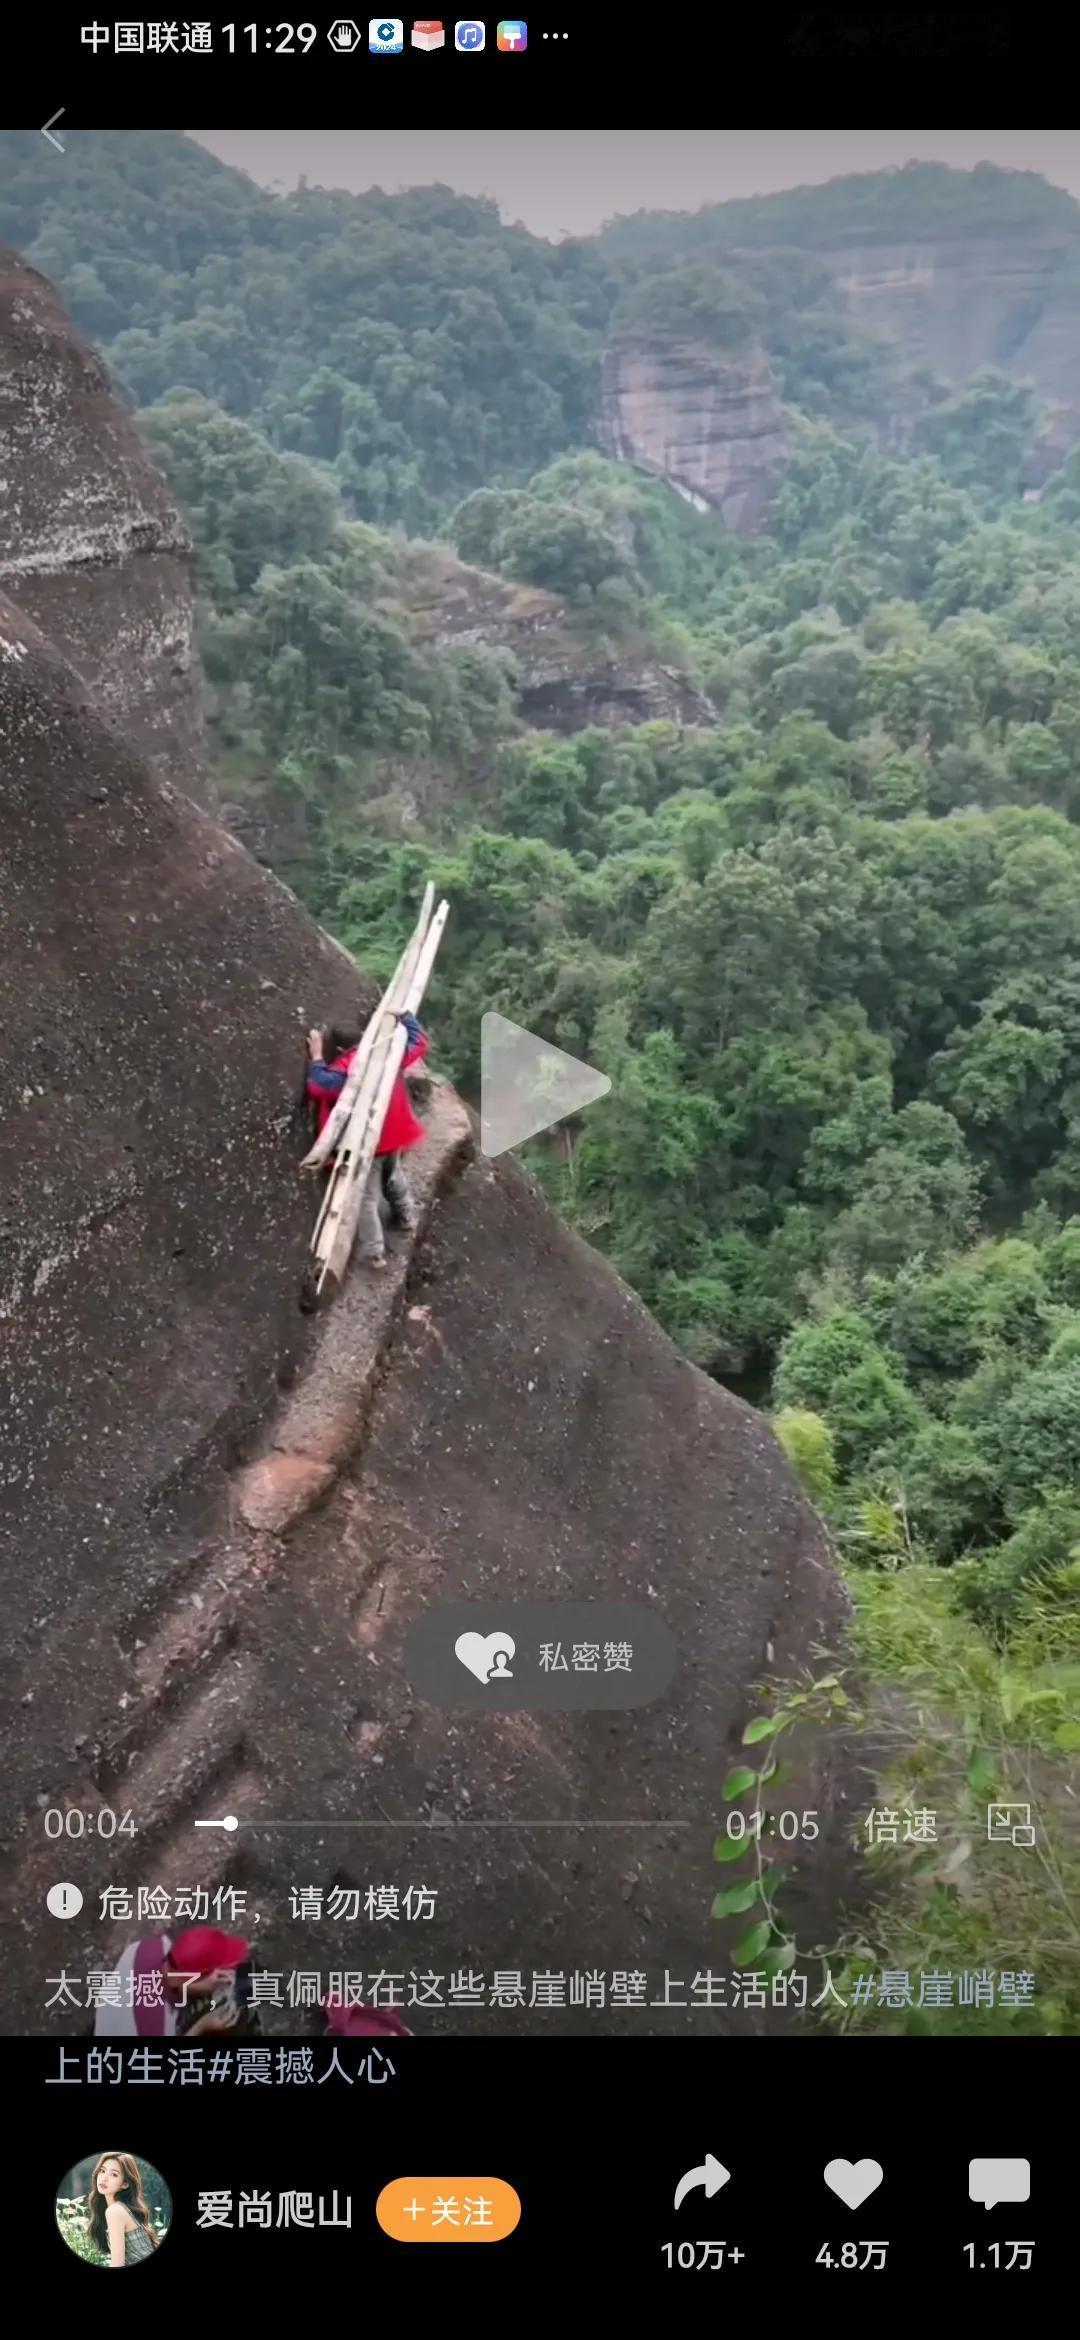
527,1085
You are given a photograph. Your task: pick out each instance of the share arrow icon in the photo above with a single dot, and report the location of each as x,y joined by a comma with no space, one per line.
711,2174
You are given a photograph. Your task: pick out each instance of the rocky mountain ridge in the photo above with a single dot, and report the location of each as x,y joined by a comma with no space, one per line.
564,677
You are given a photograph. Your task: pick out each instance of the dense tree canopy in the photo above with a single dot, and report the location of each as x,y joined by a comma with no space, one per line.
923,199
829,952
411,343
422,350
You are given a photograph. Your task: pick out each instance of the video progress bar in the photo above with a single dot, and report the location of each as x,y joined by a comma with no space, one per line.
232,1824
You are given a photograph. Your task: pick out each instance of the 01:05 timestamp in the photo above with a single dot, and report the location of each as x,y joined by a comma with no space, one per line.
103,1822
787,1825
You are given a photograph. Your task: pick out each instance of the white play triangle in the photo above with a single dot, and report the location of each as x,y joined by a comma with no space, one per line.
527,1085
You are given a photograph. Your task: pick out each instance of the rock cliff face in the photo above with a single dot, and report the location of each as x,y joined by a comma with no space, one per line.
713,427
218,1519
91,547
957,306
565,679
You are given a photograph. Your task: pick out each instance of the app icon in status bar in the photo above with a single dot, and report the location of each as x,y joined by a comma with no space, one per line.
469,35
513,34
386,36
428,33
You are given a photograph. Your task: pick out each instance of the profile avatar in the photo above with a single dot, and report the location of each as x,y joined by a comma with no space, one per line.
113,2211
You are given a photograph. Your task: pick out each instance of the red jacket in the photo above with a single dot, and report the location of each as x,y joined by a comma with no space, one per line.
401,1128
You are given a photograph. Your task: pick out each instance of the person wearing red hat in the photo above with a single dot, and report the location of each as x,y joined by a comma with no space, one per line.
164,1981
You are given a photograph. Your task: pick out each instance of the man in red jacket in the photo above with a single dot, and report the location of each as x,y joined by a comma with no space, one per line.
331,1054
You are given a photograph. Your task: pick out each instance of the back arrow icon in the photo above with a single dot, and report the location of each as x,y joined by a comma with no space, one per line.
712,2175
46,129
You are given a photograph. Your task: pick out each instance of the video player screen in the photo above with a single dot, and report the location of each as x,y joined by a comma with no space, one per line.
540,1162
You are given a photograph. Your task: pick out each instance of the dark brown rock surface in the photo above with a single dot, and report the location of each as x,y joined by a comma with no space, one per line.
155,985
91,546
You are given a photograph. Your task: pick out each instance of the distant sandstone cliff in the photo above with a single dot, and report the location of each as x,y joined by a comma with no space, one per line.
711,425
957,306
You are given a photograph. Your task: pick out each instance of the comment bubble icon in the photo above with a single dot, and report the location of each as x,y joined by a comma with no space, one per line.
991,2182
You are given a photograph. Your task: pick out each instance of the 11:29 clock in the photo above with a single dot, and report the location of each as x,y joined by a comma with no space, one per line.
282,40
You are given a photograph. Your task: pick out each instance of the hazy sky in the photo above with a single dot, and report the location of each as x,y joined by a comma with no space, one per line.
567,182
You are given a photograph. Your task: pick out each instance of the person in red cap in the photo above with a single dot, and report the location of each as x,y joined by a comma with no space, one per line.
164,1982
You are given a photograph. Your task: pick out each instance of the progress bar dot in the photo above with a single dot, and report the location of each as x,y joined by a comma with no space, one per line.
230,1821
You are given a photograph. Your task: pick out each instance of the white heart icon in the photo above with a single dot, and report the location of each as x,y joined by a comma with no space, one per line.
854,2180
481,1654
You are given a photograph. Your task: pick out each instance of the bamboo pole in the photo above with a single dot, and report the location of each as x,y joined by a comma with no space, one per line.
394,998
339,1224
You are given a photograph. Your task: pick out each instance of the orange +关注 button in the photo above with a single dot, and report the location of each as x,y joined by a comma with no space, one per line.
454,2209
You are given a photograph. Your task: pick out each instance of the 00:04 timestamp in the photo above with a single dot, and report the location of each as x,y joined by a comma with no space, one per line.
103,1822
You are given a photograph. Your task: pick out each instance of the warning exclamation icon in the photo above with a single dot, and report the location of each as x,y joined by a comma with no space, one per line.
63,1901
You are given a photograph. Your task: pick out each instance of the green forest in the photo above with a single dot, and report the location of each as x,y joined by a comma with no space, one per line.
825,941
